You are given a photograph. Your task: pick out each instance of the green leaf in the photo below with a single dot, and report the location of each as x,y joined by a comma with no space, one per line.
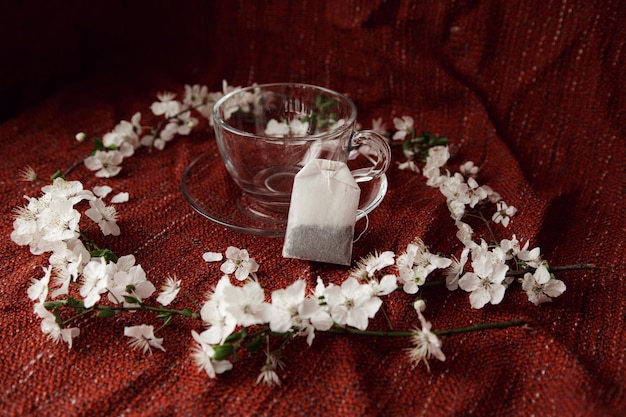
166,316
131,300
106,312
75,303
187,312
237,336
107,254
98,145
255,344
57,317
57,174
53,304
222,352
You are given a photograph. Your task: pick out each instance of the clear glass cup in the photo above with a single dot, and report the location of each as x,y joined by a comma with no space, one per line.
267,133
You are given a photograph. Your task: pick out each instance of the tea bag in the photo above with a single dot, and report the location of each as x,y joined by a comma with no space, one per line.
322,214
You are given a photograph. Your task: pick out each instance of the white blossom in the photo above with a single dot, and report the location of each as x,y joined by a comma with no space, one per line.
503,213
239,262
352,304
541,287
59,221
468,169
268,375
530,257
132,283
129,131
105,163
203,355
142,337
169,291
292,311
67,260
117,141
220,322
67,190
456,269
95,281
246,304
166,106
416,263
50,327
486,283
286,303
404,127
425,343
104,216
38,289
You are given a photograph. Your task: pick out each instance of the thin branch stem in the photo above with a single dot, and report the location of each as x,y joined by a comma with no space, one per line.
99,307
574,267
190,298
485,326
445,332
143,307
387,319
488,225
72,168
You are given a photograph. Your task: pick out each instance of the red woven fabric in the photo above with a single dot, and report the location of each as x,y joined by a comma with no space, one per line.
531,91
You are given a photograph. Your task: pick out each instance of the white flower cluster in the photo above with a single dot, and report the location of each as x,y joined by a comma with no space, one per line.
232,306
128,136
51,223
488,279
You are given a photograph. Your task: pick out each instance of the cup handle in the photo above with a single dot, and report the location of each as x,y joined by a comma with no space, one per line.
376,149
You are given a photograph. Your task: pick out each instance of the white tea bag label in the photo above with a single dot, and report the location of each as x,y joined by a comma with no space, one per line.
322,213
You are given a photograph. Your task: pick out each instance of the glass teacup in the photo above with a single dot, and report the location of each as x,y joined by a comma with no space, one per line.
267,133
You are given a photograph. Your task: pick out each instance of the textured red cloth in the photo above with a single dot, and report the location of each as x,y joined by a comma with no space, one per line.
531,91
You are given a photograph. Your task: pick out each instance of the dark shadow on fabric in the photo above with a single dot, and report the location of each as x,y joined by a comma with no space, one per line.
557,222
384,15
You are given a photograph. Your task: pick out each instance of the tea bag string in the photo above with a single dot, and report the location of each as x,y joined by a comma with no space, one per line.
330,173
367,224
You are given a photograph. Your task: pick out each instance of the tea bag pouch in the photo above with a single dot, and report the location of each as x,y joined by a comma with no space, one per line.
322,214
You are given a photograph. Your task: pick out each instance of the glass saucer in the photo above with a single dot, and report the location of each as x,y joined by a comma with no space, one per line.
210,190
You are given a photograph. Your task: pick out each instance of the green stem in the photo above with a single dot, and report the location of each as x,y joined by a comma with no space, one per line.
485,326
445,332
574,267
185,312
338,329
99,307
74,317
90,243
72,168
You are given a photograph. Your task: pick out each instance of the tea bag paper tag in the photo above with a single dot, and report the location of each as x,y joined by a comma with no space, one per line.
322,213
